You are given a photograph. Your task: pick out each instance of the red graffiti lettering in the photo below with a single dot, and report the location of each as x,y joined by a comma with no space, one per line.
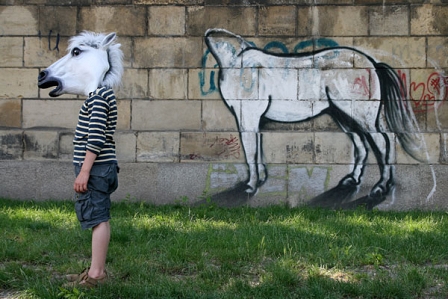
227,147
425,95
360,86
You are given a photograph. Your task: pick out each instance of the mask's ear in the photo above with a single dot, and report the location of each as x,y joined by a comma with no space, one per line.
109,39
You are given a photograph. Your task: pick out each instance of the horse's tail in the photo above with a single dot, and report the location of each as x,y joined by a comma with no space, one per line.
398,113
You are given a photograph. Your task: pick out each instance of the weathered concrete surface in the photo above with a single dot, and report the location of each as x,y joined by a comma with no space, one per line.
223,184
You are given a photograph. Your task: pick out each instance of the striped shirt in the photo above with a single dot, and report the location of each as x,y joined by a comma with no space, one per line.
96,126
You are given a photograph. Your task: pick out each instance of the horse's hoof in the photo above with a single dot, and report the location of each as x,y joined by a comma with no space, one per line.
251,190
378,192
348,181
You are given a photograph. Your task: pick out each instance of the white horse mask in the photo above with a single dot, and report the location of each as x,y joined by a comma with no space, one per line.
93,60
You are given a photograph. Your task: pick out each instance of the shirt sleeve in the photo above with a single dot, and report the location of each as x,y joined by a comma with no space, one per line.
98,111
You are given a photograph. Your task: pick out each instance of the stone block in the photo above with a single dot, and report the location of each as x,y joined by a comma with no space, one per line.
444,148
61,2
307,181
37,180
177,181
168,84
333,148
413,188
104,19
277,21
166,115
109,2
389,20
307,21
429,152
203,84
168,2
51,113
40,145
66,146
11,145
304,126
216,116
57,20
10,113
168,52
333,21
124,114
398,52
18,83
437,51
325,123
166,20
18,20
12,51
288,148
125,144
437,117
42,52
158,147
134,84
126,47
381,2
211,146
429,19
240,20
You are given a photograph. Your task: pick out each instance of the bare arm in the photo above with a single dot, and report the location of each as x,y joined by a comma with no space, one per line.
82,179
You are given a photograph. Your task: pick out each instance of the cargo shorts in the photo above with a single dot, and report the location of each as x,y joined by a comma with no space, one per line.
93,206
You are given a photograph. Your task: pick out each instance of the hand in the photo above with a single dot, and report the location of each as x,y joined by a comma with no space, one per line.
81,181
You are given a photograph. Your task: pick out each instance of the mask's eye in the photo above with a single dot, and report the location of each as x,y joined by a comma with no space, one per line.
76,52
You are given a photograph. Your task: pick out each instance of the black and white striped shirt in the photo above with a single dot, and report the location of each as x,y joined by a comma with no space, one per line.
96,126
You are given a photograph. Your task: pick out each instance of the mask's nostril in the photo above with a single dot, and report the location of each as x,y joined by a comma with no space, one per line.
42,75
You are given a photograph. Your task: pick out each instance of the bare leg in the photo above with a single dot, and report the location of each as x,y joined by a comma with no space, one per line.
100,245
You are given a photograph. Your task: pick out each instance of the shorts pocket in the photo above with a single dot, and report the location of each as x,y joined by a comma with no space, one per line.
83,207
101,178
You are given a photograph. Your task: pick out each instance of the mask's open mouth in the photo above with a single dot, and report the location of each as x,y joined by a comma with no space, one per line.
44,81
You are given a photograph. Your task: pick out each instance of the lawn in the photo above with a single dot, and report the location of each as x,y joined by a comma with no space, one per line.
177,251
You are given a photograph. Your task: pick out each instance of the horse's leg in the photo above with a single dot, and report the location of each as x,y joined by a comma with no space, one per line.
356,134
360,155
262,172
380,145
248,114
250,144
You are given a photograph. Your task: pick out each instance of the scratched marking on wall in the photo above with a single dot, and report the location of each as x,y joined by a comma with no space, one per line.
211,147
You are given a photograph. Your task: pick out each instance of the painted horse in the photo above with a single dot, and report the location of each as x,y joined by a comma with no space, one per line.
93,60
256,84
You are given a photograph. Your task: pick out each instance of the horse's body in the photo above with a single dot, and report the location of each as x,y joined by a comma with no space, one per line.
343,82
93,60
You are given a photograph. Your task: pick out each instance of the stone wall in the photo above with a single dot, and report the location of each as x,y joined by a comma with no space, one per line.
177,140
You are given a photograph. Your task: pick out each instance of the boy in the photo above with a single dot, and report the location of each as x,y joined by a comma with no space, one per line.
92,66
96,177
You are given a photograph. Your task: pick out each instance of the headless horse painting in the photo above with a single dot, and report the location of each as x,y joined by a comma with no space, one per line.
257,84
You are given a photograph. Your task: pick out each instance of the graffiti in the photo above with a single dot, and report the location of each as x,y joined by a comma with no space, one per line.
208,146
271,46
228,147
426,95
361,86
49,37
287,87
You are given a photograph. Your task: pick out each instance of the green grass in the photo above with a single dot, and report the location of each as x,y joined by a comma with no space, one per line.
210,252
